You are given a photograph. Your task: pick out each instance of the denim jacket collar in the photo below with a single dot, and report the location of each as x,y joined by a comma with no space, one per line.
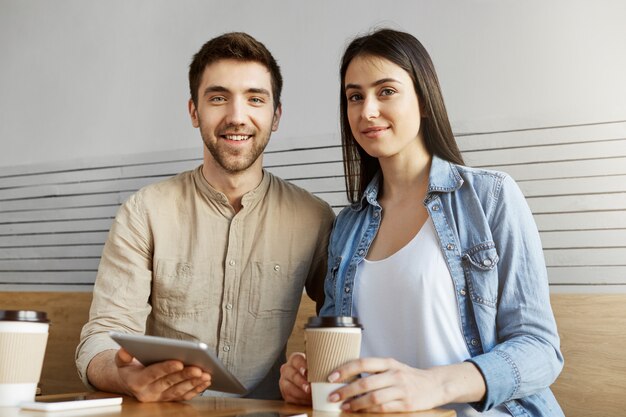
444,177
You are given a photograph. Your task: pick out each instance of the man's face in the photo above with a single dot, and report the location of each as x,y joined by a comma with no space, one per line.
235,113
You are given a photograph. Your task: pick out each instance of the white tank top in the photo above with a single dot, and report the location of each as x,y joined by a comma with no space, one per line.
408,309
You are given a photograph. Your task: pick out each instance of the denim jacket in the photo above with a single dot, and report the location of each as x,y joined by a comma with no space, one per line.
492,248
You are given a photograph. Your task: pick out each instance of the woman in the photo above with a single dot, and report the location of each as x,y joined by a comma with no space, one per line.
441,263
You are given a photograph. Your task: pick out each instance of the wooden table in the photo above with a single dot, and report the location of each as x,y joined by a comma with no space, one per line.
207,406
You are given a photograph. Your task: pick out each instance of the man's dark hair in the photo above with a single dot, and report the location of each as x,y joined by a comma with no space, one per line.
241,47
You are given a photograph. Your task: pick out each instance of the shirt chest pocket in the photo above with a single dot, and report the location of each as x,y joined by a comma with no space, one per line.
181,288
275,288
481,272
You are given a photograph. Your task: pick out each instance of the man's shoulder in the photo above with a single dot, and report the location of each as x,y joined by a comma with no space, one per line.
166,189
293,195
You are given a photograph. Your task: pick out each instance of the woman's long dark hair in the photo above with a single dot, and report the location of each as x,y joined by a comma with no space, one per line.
408,53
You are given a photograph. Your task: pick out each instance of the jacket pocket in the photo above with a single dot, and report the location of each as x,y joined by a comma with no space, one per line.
181,288
481,273
275,289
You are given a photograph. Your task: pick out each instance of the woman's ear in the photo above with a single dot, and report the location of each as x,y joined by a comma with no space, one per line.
422,106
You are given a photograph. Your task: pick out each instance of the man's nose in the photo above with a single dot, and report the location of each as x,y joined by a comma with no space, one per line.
236,112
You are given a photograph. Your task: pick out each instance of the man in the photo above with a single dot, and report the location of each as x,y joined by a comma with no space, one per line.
219,254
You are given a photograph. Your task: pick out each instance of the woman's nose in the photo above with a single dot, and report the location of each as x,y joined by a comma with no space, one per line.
370,108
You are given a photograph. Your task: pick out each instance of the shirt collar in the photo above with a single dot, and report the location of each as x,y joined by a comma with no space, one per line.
444,177
248,198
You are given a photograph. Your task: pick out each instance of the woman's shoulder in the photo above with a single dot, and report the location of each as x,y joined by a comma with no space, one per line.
480,174
496,190
485,180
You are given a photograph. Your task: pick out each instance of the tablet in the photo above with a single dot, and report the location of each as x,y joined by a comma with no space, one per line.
153,349
66,403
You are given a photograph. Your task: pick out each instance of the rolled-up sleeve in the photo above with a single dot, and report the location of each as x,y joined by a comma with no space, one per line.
122,287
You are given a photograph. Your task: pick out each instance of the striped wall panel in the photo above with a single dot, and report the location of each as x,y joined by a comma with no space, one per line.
574,179
55,218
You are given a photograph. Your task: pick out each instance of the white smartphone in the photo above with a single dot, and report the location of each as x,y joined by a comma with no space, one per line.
153,349
66,403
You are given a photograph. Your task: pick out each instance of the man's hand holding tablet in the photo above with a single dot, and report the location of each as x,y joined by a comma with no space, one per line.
193,356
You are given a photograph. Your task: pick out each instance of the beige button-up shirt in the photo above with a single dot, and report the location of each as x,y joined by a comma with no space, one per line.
180,263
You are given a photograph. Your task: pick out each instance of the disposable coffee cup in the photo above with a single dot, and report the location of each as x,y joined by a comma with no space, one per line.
23,339
330,342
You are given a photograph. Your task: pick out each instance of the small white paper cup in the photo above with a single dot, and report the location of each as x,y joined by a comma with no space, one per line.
320,392
23,339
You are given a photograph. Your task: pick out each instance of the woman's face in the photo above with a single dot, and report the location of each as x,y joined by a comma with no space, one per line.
383,108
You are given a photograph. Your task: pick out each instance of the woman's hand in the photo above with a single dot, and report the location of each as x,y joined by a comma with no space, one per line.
392,386
293,384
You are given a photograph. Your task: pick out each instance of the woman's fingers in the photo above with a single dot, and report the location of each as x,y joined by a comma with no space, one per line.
363,386
390,387
362,366
379,400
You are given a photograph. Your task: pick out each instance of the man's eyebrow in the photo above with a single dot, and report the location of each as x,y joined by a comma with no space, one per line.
262,91
377,82
221,89
215,89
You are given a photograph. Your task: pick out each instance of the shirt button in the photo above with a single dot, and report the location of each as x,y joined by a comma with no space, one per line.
450,246
474,342
347,289
487,262
276,267
436,207
376,214
229,306
361,252
226,348
231,262
462,292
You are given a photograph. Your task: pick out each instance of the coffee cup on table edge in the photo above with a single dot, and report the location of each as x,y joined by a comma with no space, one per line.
23,339
330,342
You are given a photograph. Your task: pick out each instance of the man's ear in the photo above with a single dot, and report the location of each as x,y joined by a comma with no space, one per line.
277,113
193,113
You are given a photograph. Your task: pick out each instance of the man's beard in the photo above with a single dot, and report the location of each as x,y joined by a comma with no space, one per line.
234,162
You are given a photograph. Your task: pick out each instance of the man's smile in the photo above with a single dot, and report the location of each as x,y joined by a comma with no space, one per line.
236,137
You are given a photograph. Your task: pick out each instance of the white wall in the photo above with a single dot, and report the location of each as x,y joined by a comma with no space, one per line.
93,106
83,78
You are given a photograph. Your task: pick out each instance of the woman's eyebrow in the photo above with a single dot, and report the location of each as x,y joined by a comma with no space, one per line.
377,82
